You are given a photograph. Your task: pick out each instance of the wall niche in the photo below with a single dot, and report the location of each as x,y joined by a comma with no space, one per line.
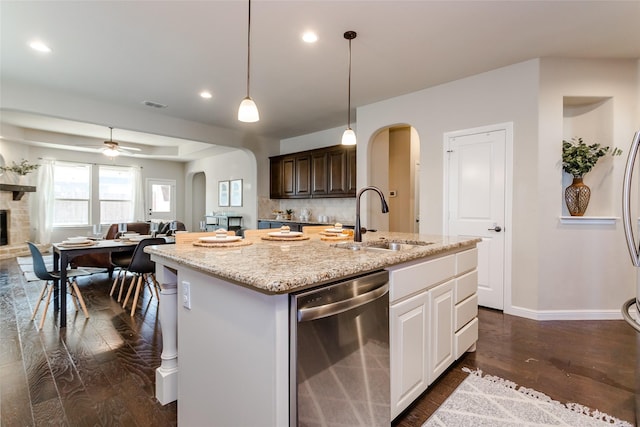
591,118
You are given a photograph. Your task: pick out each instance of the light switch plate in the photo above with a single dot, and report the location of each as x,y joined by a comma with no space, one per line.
186,295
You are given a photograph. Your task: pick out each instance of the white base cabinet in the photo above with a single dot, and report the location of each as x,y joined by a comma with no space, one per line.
432,321
409,344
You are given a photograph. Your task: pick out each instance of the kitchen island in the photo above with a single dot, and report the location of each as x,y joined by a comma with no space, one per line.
231,318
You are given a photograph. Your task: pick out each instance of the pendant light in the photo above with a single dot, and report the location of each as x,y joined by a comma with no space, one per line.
349,136
248,111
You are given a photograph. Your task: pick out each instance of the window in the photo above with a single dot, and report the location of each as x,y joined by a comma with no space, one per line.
72,193
116,186
75,187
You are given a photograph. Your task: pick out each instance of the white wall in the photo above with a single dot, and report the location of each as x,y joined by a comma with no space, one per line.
240,164
585,267
324,138
508,94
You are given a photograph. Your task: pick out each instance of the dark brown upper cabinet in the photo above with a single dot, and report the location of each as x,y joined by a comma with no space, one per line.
323,172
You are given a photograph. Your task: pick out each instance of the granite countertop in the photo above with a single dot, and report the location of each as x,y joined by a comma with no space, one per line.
276,267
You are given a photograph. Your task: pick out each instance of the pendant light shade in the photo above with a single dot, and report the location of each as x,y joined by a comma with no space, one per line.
349,136
248,111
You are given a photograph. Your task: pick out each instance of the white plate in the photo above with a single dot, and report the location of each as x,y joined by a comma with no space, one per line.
79,239
139,238
334,230
214,239
76,242
289,234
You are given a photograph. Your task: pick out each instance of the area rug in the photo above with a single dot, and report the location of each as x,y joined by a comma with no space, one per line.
488,401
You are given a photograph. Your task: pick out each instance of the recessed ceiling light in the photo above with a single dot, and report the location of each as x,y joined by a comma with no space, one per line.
205,94
310,37
39,46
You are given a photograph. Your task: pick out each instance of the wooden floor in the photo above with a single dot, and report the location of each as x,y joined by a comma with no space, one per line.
102,371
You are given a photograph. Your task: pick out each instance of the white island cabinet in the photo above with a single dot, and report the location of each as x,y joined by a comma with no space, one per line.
432,321
225,318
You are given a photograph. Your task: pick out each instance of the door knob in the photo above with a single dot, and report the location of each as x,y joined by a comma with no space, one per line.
495,228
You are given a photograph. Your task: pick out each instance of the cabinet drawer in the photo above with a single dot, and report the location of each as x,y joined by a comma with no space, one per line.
413,278
465,311
466,337
466,261
466,285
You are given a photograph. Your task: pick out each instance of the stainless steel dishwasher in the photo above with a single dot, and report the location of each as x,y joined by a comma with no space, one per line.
340,354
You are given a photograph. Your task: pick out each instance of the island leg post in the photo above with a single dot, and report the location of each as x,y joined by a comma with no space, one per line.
167,373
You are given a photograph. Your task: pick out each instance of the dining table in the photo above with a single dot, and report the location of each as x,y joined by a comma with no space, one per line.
63,253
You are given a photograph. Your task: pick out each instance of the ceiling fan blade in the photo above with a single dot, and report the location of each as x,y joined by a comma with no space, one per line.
116,146
129,148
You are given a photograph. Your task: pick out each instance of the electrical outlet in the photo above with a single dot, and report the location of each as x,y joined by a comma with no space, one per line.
186,295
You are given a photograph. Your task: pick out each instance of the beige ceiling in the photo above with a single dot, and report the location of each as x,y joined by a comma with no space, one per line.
127,52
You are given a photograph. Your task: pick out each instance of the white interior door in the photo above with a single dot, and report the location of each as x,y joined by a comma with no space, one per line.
476,204
161,199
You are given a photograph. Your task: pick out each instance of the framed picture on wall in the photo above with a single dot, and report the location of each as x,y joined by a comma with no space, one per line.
235,192
223,193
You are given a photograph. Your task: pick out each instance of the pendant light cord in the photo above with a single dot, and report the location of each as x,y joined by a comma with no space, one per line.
349,95
349,35
248,47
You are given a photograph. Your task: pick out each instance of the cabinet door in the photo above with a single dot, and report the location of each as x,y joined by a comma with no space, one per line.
288,176
319,173
303,175
442,328
337,171
409,337
275,178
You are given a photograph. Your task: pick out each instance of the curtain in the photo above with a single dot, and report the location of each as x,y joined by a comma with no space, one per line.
43,204
138,195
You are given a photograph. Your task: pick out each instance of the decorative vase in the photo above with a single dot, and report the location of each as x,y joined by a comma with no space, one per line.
577,197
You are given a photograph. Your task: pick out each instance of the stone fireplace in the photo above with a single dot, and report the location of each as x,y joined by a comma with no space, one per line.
18,224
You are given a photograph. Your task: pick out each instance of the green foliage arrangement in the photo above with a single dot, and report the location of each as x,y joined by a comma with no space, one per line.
22,168
578,158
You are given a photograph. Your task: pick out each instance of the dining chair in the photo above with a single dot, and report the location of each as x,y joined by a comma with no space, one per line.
120,261
41,272
143,269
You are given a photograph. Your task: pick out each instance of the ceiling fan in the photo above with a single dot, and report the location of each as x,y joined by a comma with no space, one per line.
112,148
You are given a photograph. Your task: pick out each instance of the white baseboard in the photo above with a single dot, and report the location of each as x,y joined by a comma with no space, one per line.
564,314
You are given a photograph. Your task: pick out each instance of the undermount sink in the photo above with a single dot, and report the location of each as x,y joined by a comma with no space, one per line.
381,245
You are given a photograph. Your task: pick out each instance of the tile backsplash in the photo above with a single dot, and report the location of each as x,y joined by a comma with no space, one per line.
338,210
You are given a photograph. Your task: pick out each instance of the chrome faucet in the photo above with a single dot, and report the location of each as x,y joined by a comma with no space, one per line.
357,233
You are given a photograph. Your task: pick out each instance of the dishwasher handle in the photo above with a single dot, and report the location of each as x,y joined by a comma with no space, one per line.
326,310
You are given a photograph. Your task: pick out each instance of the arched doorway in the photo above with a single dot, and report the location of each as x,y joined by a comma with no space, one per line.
394,165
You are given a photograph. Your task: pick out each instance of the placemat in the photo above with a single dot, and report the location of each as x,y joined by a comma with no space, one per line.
237,243
332,237
77,245
285,239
